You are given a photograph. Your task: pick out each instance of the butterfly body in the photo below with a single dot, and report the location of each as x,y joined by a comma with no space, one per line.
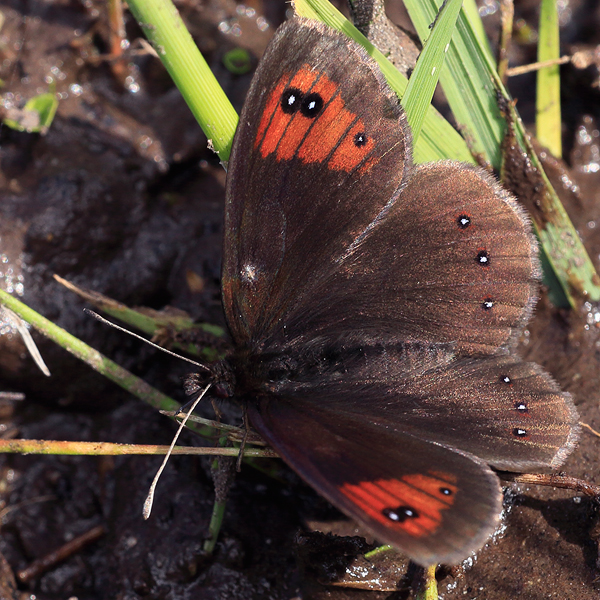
374,305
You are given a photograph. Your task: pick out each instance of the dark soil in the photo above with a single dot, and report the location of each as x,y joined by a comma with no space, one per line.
122,196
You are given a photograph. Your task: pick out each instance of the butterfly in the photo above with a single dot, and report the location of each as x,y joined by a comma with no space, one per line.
374,306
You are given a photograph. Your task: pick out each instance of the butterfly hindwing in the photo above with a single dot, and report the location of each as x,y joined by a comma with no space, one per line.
435,504
452,260
506,411
400,437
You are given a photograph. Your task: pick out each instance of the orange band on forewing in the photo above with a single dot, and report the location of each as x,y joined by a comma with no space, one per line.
270,109
326,133
302,80
421,493
330,135
348,155
298,128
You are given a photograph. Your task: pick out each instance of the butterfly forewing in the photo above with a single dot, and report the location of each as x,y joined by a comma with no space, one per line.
312,166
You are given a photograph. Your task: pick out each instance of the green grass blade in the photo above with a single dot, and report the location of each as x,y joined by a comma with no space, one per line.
424,78
138,387
547,115
151,322
470,84
467,80
173,43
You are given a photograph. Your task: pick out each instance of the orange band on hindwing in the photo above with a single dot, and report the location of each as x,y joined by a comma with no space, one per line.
330,133
413,503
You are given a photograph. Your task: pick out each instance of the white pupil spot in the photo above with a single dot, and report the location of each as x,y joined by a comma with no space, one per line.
464,221
522,407
311,105
506,379
483,259
249,273
291,100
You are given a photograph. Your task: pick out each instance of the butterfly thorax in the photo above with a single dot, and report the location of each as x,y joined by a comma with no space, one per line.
292,369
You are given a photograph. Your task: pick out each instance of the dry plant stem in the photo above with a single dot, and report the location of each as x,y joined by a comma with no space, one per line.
234,434
117,27
12,396
507,13
13,507
551,480
108,449
537,66
589,428
14,321
41,565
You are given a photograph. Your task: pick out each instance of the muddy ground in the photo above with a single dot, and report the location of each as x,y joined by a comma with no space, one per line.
122,196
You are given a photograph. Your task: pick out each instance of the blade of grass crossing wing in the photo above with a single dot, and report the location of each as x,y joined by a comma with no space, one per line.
466,80
438,138
424,78
547,115
473,89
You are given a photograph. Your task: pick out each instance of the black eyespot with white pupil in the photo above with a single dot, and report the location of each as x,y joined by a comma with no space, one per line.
483,258
505,379
520,433
360,139
487,304
291,100
311,105
463,221
445,491
521,406
400,514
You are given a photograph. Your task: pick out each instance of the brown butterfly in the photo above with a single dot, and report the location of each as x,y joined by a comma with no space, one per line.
374,305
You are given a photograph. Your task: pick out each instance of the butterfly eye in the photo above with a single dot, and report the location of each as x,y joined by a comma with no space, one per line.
360,139
291,100
311,105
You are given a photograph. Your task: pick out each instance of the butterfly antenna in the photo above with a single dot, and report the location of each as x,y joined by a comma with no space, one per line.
150,498
96,316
